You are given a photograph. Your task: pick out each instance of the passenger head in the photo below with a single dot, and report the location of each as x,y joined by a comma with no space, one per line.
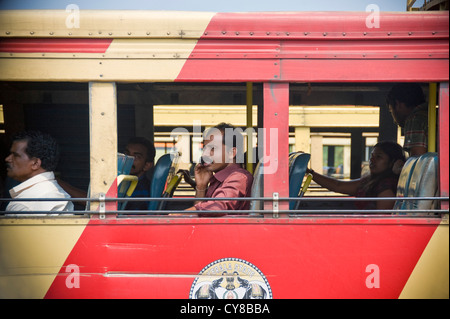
409,93
402,99
383,157
143,152
32,153
223,144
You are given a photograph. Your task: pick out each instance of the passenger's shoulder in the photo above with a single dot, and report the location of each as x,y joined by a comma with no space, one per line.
242,173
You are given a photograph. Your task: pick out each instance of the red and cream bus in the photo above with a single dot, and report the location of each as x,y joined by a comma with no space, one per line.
93,79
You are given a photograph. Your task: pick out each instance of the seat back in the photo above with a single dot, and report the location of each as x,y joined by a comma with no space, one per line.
125,183
422,181
160,177
298,163
257,187
404,180
124,164
170,189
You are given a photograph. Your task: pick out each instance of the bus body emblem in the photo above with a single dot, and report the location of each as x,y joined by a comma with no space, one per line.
230,278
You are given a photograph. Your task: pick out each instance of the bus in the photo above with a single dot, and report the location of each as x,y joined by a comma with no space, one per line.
93,79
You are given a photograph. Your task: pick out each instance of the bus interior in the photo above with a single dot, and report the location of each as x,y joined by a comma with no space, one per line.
62,109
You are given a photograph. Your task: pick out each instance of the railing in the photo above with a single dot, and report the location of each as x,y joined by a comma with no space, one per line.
271,211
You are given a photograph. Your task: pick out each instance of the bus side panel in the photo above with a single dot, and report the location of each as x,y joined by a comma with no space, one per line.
316,258
246,47
32,251
364,70
60,45
443,141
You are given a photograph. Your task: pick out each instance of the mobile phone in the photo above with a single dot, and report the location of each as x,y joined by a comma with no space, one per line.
205,162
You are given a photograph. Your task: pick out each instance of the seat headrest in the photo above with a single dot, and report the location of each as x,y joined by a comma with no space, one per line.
159,178
124,164
419,178
298,163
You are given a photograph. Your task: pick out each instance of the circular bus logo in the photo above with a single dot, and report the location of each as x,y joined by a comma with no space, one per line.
230,278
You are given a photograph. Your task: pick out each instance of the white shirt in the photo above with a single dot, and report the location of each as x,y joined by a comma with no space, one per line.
43,185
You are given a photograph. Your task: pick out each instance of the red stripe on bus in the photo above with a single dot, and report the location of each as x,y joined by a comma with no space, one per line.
284,47
42,45
444,141
301,258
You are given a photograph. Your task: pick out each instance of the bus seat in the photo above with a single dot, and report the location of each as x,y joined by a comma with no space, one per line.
170,189
124,164
298,162
424,182
404,180
160,178
418,179
125,183
257,188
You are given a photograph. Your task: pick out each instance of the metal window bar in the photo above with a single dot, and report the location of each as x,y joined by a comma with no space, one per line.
254,213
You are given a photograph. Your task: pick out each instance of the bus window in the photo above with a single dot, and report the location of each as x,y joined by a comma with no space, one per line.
311,94
339,135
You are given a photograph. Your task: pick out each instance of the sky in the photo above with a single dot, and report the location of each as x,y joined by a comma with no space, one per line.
211,5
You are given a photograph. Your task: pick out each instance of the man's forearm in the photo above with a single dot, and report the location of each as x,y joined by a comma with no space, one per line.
200,193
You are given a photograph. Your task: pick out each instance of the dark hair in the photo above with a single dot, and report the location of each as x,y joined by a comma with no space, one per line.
40,145
151,151
392,149
237,138
395,152
409,93
232,137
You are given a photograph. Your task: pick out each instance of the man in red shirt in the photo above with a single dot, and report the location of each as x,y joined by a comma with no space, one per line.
220,174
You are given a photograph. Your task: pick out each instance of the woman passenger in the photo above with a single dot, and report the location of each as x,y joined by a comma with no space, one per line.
381,182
